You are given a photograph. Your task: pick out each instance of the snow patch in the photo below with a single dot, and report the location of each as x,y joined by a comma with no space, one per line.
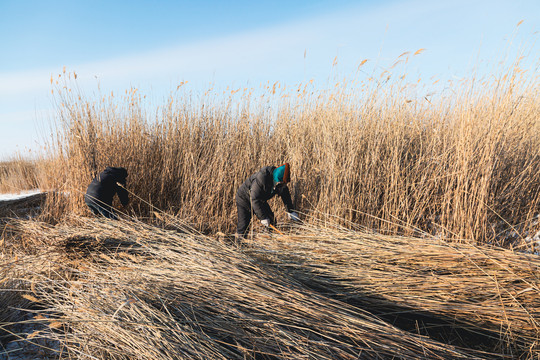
19,195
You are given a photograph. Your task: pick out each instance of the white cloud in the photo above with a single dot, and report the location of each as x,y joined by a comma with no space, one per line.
277,53
268,50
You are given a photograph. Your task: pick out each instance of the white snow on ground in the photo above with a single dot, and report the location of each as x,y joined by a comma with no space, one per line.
20,195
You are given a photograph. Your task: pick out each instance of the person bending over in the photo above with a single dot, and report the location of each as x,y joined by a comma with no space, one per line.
254,193
100,192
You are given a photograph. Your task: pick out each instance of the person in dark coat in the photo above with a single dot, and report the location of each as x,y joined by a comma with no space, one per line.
253,195
100,192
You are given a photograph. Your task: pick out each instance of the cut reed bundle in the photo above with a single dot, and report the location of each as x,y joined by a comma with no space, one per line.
128,290
24,331
483,288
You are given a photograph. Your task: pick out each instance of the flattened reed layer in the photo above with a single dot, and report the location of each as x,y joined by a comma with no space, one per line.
484,288
125,290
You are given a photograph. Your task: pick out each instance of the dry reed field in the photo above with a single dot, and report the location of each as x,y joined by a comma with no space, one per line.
487,290
18,174
417,209
464,165
95,288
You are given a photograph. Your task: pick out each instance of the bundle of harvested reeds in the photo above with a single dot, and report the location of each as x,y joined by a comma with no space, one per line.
25,333
483,288
123,290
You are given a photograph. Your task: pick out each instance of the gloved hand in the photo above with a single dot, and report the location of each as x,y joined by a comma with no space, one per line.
293,216
266,222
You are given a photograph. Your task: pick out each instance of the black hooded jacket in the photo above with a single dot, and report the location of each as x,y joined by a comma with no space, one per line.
258,189
103,187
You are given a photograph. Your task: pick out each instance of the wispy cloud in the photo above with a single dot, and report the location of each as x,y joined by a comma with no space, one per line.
275,53
378,32
272,51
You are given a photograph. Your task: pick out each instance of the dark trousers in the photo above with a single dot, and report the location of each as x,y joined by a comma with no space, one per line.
244,218
100,209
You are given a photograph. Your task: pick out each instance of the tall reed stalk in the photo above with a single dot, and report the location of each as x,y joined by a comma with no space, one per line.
18,174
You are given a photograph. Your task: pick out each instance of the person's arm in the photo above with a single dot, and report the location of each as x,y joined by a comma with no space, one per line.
285,195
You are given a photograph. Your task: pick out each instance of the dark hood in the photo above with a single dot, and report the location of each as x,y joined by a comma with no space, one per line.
119,173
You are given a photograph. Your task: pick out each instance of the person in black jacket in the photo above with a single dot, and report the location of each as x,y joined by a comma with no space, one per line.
100,192
253,194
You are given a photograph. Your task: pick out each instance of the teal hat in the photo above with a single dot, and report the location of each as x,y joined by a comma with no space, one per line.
282,174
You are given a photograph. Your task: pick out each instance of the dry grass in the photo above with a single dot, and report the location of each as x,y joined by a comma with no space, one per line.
462,164
375,153
125,290
486,289
18,174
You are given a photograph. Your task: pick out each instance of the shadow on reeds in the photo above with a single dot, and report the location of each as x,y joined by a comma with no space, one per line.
85,245
26,332
437,327
432,325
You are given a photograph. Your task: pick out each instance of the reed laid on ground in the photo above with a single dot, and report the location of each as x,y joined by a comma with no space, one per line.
463,163
125,290
485,288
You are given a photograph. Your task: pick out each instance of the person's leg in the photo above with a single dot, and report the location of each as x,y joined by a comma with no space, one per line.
244,218
93,208
107,212
103,210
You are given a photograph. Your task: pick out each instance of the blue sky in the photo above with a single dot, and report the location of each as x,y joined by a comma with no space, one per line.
155,45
